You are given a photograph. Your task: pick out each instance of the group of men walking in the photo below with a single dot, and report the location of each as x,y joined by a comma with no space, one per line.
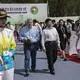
32,36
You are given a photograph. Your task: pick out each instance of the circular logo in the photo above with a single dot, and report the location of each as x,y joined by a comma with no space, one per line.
34,10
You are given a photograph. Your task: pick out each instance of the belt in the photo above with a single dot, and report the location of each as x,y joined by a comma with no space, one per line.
50,41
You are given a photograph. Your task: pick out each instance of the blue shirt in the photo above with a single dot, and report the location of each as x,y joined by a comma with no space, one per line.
30,33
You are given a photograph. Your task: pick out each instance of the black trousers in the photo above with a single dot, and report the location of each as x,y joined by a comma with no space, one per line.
51,53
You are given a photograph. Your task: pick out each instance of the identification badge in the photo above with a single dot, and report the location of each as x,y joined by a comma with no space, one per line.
6,57
5,53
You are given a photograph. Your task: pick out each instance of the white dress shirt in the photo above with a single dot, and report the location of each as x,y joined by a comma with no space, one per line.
39,27
50,34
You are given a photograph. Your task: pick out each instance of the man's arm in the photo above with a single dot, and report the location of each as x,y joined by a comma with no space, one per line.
21,35
36,37
43,41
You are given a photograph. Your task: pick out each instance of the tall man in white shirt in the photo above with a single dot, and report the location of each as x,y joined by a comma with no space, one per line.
50,44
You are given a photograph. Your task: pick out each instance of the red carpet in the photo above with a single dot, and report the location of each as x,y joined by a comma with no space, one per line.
73,57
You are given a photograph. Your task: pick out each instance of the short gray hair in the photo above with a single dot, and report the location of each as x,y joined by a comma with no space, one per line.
29,19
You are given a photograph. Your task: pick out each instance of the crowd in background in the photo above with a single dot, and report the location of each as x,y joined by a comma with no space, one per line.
65,30
49,36
69,25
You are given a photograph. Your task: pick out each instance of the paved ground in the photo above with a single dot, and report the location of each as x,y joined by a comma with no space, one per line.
63,70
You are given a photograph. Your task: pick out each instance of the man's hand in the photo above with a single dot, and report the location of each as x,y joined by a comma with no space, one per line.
1,61
28,40
59,49
44,49
64,35
32,41
25,39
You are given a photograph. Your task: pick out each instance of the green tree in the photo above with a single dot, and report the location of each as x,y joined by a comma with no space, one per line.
56,7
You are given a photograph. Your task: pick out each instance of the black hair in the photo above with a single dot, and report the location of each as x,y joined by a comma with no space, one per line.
47,20
8,23
63,22
53,20
34,20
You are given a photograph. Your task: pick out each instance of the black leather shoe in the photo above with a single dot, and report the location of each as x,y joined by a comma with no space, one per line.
65,59
52,72
33,70
27,74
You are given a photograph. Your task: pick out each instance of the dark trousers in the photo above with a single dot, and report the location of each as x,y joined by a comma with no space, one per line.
30,52
33,59
51,53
